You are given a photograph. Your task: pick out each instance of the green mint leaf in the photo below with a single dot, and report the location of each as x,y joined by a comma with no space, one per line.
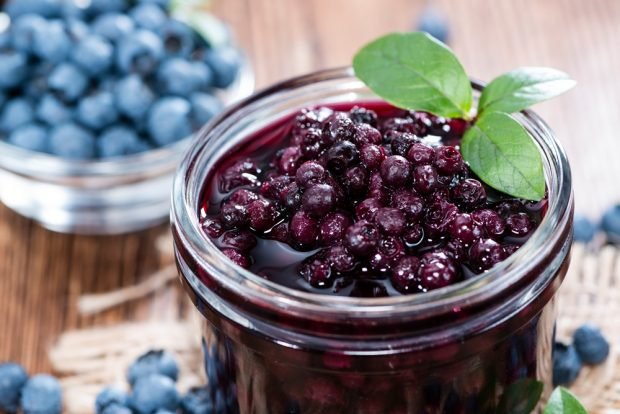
563,401
502,153
520,397
415,71
523,87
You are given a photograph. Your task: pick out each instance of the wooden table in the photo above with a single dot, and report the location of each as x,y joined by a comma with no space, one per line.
43,273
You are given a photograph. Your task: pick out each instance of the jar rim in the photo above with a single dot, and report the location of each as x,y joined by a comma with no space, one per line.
253,288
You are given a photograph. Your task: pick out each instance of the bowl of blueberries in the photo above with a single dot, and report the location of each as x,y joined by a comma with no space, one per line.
99,99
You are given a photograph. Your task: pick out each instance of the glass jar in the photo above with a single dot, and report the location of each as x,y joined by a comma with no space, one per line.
271,349
111,196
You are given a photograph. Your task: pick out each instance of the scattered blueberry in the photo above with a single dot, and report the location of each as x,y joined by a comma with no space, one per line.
225,63
178,38
590,344
433,22
197,401
110,396
566,364
583,229
139,52
51,42
42,395
117,141
152,393
97,111
153,362
71,141
13,69
169,120
30,136
93,54
133,97
148,16
12,379
610,223
52,111
68,82
15,113
113,26
204,107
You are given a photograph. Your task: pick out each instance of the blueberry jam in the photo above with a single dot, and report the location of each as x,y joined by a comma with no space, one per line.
361,200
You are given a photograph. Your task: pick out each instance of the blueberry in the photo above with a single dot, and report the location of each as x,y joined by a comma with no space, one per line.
68,82
42,395
71,141
51,42
590,344
24,29
566,364
93,55
76,29
583,229
30,136
197,401
139,52
13,69
610,224
225,63
12,380
110,396
45,8
434,23
97,111
116,409
202,75
180,77
16,113
148,16
169,120
2,99
133,97
153,362
5,40
69,9
117,141
113,26
164,4
98,7
52,111
204,107
178,38
152,393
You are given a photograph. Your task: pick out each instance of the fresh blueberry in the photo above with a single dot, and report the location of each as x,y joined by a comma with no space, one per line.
51,42
98,7
23,31
2,99
117,141
148,16
180,77
566,364
225,63
610,224
178,38
30,136
97,111
68,82
110,396
45,8
204,107
5,40
139,52
152,393
434,23
42,395
164,4
590,344
12,380
133,97
113,26
197,401
76,29
13,69
37,86
169,120
69,9
583,229
116,409
16,113
93,55
202,75
153,362
53,111
71,141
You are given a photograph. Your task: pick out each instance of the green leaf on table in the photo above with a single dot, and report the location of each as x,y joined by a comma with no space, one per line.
563,401
502,153
520,397
523,87
415,71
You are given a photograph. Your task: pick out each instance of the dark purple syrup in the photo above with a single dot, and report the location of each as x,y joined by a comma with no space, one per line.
438,224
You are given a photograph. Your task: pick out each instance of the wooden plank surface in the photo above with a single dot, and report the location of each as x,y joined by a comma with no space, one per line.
43,273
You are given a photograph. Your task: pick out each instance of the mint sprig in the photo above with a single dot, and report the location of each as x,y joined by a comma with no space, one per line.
523,395
417,72
562,401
